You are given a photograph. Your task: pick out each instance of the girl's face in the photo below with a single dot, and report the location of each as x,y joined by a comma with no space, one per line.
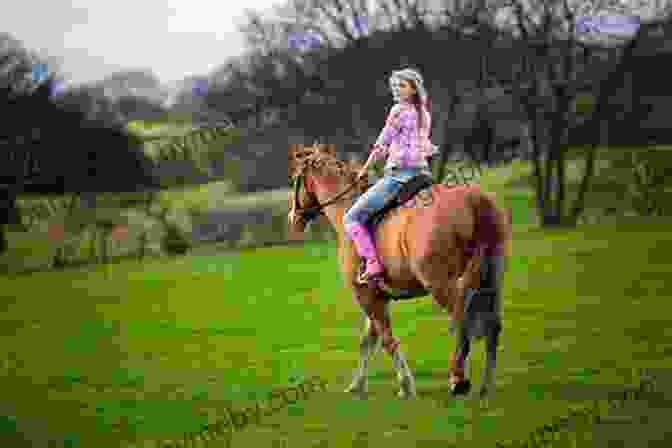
403,88
406,90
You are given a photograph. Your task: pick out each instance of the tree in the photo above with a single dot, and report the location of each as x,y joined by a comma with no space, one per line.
549,78
602,125
335,21
49,147
276,72
531,61
138,108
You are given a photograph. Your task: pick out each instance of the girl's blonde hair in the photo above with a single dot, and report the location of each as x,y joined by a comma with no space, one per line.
420,99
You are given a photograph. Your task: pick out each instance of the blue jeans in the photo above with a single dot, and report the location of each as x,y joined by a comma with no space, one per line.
379,195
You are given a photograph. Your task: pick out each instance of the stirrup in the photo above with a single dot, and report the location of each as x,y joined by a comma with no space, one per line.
368,278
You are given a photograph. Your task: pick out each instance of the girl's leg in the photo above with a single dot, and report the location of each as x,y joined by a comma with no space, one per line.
360,213
374,199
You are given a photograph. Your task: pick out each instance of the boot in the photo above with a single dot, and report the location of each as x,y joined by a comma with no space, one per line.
366,249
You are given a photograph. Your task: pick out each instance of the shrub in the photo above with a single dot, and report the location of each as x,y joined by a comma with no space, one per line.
174,242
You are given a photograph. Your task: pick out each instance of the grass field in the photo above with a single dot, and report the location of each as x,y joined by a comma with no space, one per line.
129,354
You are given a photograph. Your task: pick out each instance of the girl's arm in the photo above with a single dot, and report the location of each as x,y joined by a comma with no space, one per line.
374,155
430,150
392,128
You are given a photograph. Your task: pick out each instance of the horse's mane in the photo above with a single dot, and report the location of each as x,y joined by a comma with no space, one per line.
320,157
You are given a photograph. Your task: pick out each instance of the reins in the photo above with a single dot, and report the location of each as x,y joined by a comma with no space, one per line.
312,212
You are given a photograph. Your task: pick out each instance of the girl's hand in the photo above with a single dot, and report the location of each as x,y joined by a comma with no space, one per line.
362,173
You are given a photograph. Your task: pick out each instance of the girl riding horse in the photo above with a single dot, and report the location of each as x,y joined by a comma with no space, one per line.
404,142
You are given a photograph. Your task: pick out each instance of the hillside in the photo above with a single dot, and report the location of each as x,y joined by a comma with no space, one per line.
166,141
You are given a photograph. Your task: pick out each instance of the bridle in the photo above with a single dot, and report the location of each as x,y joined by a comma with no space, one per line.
310,213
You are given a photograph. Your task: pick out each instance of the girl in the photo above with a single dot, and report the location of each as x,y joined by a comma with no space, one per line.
405,143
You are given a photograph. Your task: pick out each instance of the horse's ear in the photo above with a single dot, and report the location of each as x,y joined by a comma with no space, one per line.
355,164
325,148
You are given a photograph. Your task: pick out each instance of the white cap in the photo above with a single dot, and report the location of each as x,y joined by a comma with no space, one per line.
408,74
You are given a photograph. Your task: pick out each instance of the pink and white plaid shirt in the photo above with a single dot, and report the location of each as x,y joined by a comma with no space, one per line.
401,143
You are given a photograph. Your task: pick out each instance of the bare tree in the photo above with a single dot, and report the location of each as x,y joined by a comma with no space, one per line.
464,20
275,73
547,82
336,22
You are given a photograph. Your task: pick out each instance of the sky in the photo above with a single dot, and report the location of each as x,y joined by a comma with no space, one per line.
94,38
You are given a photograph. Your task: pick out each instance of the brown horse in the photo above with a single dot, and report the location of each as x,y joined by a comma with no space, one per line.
452,248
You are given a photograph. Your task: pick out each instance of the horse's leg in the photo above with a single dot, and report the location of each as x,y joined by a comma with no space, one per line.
446,295
459,382
495,266
376,308
404,374
491,344
368,346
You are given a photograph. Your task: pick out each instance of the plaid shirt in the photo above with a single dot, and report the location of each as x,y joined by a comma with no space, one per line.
401,143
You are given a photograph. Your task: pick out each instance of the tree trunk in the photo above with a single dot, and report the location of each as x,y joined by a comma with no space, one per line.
455,101
589,171
143,245
9,214
104,234
599,118
4,245
537,173
562,184
488,142
560,170
558,148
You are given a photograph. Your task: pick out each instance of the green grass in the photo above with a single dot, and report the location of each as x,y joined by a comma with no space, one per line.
128,354
123,355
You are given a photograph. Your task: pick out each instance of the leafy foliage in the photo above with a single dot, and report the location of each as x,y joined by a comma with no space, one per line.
174,241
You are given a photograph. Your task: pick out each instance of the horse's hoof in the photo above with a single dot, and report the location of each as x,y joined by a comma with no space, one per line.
356,391
461,388
406,395
359,395
407,388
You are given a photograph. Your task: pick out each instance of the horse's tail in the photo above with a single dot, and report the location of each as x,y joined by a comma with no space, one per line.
493,234
493,226
490,235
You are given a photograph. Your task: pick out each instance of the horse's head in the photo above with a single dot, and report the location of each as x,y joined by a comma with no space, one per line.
316,175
